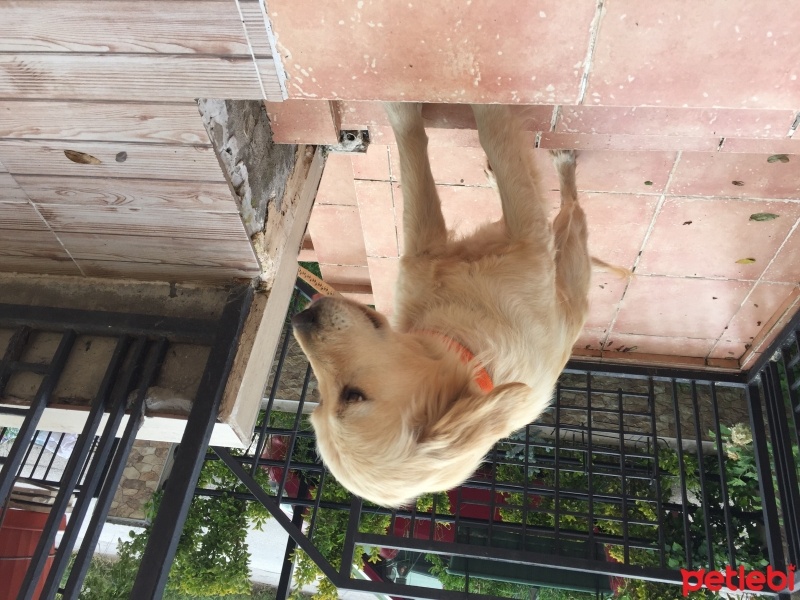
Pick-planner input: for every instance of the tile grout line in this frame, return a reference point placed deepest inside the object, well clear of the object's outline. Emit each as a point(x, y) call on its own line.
point(659, 205)
point(594, 31)
point(752, 289)
point(252, 52)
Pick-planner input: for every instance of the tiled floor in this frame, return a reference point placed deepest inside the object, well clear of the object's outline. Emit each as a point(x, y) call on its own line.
point(712, 237)
point(685, 117)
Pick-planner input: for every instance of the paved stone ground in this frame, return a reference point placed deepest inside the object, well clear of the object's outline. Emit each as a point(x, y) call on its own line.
point(140, 479)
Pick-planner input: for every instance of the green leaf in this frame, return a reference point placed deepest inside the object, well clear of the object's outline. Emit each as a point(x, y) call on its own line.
point(763, 216)
point(778, 158)
point(745, 261)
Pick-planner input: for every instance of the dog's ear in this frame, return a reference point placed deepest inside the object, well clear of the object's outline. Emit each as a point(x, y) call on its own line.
point(479, 419)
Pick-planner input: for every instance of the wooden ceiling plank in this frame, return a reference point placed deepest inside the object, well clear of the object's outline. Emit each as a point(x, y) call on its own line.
point(132, 193)
point(132, 26)
point(102, 121)
point(203, 226)
point(142, 161)
point(234, 254)
point(126, 77)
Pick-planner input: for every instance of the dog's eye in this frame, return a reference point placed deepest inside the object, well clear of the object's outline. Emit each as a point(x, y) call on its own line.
point(350, 395)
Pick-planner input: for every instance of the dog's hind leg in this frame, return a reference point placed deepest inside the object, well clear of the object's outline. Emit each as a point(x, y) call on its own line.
point(423, 222)
point(511, 162)
point(573, 264)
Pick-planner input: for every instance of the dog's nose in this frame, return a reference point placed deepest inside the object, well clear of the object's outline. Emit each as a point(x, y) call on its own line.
point(305, 320)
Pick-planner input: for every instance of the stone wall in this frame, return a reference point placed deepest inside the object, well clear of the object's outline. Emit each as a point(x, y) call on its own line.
point(140, 479)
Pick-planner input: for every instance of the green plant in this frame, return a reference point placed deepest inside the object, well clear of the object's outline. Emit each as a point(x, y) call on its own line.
point(212, 556)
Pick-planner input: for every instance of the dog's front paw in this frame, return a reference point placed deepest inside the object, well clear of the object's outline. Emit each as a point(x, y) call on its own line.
point(563, 156)
point(404, 116)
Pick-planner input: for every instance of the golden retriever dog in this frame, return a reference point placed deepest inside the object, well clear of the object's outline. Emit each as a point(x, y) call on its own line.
point(483, 326)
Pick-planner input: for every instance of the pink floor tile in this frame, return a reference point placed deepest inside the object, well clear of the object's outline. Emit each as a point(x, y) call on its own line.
point(590, 339)
point(737, 175)
point(626, 143)
point(762, 304)
point(786, 266)
point(336, 186)
point(473, 52)
point(728, 348)
point(701, 237)
point(302, 121)
point(678, 307)
point(383, 273)
point(451, 166)
point(627, 172)
point(345, 274)
point(768, 147)
point(336, 232)
point(361, 115)
point(460, 116)
point(617, 225)
point(605, 295)
point(377, 217)
point(372, 164)
point(647, 344)
point(675, 122)
point(747, 55)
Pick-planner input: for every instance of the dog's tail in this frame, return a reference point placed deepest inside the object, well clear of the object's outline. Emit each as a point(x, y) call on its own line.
point(601, 265)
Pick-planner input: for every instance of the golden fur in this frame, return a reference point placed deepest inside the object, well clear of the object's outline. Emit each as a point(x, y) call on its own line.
point(401, 413)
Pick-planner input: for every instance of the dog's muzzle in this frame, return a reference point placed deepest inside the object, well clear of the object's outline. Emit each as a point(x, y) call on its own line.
point(307, 320)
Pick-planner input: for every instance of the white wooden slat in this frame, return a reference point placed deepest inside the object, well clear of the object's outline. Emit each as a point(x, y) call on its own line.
point(235, 254)
point(151, 222)
point(143, 161)
point(162, 272)
point(20, 216)
point(102, 121)
point(119, 26)
point(253, 21)
point(137, 193)
point(10, 191)
point(125, 77)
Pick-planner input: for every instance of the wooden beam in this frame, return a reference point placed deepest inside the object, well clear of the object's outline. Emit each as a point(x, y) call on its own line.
point(279, 247)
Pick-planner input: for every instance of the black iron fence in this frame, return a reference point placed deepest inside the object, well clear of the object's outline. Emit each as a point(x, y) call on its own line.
point(632, 473)
point(93, 466)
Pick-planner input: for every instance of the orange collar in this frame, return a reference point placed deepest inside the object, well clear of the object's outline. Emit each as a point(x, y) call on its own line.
point(483, 379)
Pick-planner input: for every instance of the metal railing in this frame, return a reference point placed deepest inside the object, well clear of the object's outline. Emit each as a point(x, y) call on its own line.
point(96, 462)
point(633, 472)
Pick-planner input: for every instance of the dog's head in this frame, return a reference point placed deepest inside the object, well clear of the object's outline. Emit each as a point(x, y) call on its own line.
point(400, 414)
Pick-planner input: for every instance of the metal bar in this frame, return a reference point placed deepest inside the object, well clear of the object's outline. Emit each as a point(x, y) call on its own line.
point(285, 581)
point(72, 472)
point(27, 430)
point(772, 527)
point(794, 397)
point(272, 393)
point(556, 474)
point(784, 465)
point(151, 578)
point(114, 474)
point(412, 591)
point(643, 372)
point(726, 509)
point(13, 352)
point(348, 550)
point(293, 435)
point(590, 466)
point(277, 513)
point(701, 467)
point(651, 404)
point(567, 563)
point(624, 508)
point(317, 500)
point(682, 474)
point(88, 322)
point(766, 355)
point(42, 448)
